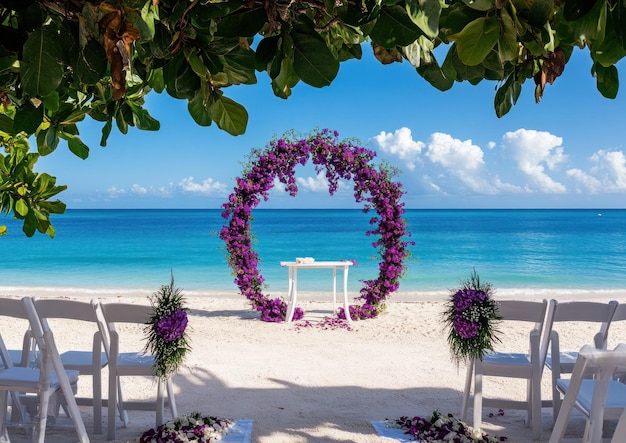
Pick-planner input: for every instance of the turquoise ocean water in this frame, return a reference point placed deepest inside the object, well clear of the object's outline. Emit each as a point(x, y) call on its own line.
point(135, 250)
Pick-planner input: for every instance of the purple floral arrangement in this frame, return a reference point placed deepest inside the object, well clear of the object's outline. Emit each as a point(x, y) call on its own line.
point(339, 160)
point(166, 330)
point(442, 429)
point(191, 428)
point(471, 316)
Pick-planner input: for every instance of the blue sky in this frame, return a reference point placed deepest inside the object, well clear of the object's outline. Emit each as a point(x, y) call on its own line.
point(452, 150)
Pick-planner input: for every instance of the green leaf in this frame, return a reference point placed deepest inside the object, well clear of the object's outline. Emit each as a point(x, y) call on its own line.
point(394, 27)
point(121, 123)
point(437, 76)
point(611, 50)
point(52, 139)
point(143, 120)
point(607, 80)
point(145, 23)
point(3, 230)
point(27, 118)
point(78, 148)
point(265, 52)
point(539, 12)
point(30, 224)
point(480, 5)
point(156, 81)
point(51, 102)
point(508, 48)
point(476, 40)
point(6, 124)
point(229, 115)
point(75, 116)
point(196, 63)
point(286, 80)
point(576, 9)
point(312, 60)
point(473, 74)
point(591, 25)
point(42, 63)
point(21, 207)
point(425, 14)
point(92, 63)
point(199, 110)
point(506, 96)
point(106, 131)
point(246, 23)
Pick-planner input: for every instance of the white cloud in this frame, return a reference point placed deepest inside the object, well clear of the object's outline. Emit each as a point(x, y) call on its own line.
point(462, 160)
point(585, 180)
point(611, 166)
point(454, 153)
point(313, 184)
point(137, 189)
point(206, 187)
point(533, 151)
point(608, 173)
point(114, 192)
point(401, 145)
point(187, 185)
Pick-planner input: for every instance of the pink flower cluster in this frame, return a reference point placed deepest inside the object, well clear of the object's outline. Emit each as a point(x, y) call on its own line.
point(338, 160)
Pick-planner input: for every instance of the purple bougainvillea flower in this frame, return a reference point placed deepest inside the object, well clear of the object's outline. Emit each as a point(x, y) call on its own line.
point(171, 327)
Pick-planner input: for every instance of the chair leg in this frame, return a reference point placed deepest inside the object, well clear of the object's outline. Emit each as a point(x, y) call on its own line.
point(468, 387)
point(112, 404)
point(4, 403)
point(535, 401)
point(97, 401)
point(40, 422)
point(120, 403)
point(556, 395)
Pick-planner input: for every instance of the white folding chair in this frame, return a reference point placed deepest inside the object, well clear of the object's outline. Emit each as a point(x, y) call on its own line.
point(48, 379)
point(592, 391)
point(130, 364)
point(527, 364)
point(85, 362)
point(562, 362)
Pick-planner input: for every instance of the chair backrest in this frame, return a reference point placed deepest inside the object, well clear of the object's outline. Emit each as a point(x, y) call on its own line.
point(585, 311)
point(108, 314)
point(14, 308)
point(59, 308)
point(536, 312)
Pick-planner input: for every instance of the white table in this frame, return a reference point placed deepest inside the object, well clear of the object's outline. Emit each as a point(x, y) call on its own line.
point(293, 282)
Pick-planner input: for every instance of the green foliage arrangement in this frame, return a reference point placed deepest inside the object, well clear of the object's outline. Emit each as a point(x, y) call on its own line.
point(24, 192)
point(471, 316)
point(61, 61)
point(166, 330)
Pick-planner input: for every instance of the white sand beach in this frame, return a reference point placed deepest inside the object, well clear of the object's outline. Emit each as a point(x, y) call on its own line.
point(308, 384)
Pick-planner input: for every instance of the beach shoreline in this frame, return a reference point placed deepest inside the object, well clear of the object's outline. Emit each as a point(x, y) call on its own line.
point(562, 294)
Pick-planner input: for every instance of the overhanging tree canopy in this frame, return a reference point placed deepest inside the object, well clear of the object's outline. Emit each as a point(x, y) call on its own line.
point(63, 60)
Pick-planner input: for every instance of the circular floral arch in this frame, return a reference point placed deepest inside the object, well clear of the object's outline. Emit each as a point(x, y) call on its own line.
point(338, 160)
